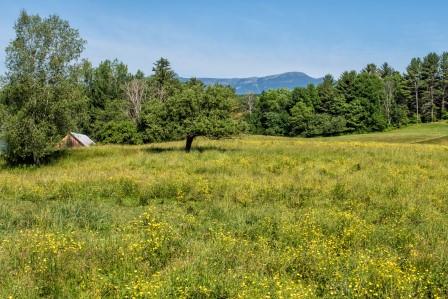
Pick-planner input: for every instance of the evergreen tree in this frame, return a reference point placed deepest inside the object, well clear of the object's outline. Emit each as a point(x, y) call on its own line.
point(346, 85)
point(386, 70)
point(444, 84)
point(371, 69)
point(430, 76)
point(414, 77)
point(163, 81)
point(331, 101)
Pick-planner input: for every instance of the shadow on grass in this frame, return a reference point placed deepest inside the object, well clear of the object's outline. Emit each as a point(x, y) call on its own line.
point(49, 160)
point(439, 140)
point(60, 155)
point(200, 149)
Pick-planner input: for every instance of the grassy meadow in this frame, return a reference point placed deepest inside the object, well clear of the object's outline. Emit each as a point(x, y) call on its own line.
point(360, 216)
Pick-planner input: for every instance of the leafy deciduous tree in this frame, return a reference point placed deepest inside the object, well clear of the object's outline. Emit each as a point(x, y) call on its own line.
point(199, 111)
point(40, 93)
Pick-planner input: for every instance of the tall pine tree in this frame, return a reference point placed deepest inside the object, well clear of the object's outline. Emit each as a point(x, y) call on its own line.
point(430, 75)
point(414, 78)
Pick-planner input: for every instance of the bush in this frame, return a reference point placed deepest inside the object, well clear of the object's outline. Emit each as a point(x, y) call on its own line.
point(326, 125)
point(120, 132)
point(29, 141)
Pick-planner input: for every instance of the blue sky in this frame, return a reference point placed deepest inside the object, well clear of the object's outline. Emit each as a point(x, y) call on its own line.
point(247, 37)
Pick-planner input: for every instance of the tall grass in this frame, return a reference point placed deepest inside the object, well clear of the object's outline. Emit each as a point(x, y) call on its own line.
point(244, 218)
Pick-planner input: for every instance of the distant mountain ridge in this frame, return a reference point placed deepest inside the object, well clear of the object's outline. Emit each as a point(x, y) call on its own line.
point(257, 85)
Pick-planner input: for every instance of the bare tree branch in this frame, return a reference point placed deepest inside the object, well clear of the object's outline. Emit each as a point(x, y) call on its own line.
point(250, 102)
point(135, 91)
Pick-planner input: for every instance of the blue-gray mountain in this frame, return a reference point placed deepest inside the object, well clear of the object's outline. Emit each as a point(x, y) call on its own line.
point(259, 84)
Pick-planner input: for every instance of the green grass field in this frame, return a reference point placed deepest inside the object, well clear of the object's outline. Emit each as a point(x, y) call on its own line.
point(359, 216)
point(436, 133)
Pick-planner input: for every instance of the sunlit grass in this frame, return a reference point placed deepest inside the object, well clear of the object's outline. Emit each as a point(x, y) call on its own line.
point(248, 217)
point(436, 133)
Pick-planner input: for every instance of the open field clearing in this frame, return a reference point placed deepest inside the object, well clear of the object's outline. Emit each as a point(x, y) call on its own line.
point(436, 133)
point(249, 217)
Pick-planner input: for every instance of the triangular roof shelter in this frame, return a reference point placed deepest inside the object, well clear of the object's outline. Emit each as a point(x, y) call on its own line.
point(76, 140)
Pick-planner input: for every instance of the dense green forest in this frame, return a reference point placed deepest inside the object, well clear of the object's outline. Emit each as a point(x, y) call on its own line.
point(375, 99)
point(49, 90)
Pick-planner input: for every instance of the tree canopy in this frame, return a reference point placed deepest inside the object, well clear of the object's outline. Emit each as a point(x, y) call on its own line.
point(41, 95)
point(195, 110)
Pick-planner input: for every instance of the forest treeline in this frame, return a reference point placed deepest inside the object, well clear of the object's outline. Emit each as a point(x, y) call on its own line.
point(121, 107)
point(48, 91)
point(374, 99)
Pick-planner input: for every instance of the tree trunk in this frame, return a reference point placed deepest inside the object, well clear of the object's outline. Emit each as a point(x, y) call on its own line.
point(189, 143)
point(432, 105)
point(443, 107)
point(442, 110)
point(416, 102)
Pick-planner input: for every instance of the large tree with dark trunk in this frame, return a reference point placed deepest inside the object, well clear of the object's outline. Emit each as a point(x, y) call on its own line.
point(201, 111)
